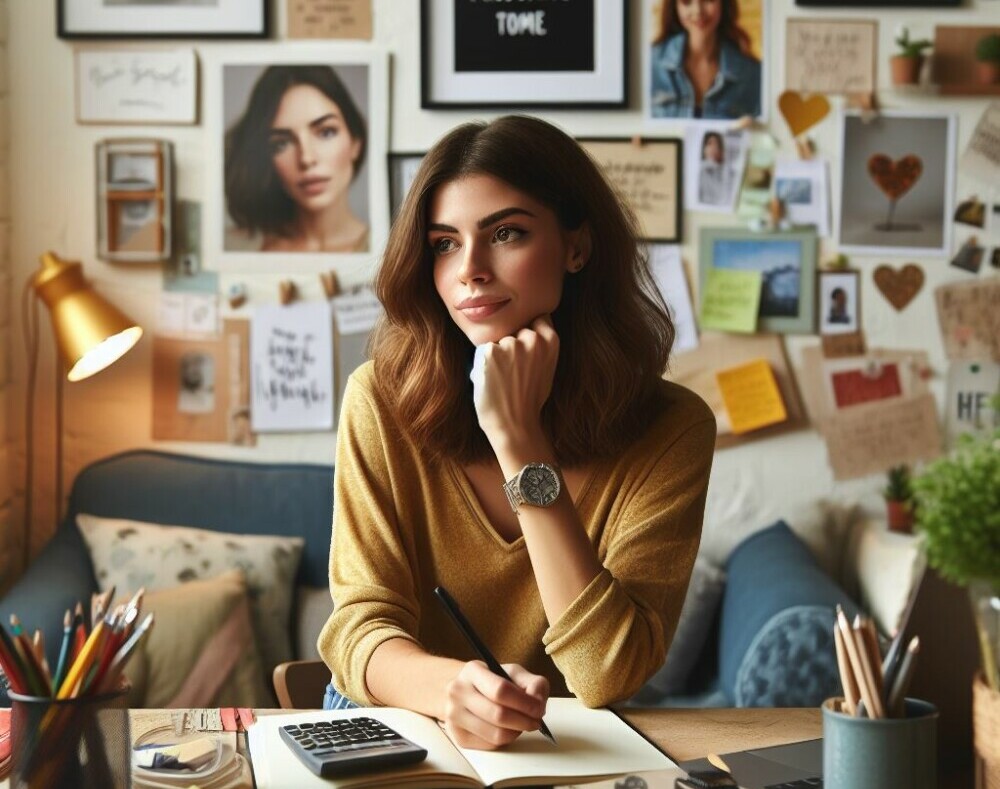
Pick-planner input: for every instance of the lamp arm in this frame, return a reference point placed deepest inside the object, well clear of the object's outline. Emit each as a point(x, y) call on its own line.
point(29, 326)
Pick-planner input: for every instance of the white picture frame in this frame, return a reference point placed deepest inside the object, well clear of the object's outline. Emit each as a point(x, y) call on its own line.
point(444, 85)
point(865, 216)
point(370, 181)
point(162, 19)
point(131, 85)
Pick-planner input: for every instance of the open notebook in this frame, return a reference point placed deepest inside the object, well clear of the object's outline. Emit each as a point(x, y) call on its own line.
point(593, 745)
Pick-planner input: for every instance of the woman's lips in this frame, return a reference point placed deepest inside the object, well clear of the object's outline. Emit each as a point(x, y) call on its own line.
point(314, 186)
point(483, 311)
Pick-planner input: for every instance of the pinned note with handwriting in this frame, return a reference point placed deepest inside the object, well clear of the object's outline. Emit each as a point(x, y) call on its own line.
point(730, 300)
point(291, 352)
point(751, 395)
point(136, 86)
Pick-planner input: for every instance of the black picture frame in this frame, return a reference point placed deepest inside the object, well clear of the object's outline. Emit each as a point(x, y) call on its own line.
point(879, 3)
point(650, 221)
point(605, 86)
point(251, 20)
point(400, 163)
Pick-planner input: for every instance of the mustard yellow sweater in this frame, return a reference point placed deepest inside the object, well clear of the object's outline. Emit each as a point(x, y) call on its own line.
point(403, 525)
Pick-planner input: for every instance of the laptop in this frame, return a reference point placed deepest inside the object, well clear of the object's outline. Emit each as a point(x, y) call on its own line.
point(798, 765)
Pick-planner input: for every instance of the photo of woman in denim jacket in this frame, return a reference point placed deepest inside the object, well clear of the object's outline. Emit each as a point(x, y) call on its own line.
point(702, 64)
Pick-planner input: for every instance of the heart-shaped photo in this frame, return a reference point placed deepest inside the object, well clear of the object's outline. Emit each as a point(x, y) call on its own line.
point(895, 178)
point(899, 286)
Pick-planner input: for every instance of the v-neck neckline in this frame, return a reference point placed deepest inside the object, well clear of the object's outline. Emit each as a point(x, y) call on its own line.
point(472, 499)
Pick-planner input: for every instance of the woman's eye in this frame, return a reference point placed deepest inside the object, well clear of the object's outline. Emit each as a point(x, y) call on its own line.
point(277, 145)
point(506, 234)
point(442, 245)
point(328, 131)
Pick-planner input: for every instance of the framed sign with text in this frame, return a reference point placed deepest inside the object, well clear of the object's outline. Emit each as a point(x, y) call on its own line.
point(534, 53)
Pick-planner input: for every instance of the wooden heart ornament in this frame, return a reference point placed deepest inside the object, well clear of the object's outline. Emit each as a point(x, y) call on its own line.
point(802, 114)
point(895, 178)
point(899, 287)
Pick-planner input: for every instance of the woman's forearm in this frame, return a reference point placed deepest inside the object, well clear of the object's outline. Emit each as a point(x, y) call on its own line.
point(402, 674)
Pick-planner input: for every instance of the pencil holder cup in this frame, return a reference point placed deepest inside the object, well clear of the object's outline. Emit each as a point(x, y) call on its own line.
point(81, 743)
point(882, 753)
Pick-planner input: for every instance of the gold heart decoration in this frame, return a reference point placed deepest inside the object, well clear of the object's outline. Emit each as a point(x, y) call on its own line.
point(802, 114)
point(895, 178)
point(899, 286)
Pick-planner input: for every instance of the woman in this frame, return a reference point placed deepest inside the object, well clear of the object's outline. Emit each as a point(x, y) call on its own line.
point(290, 161)
point(702, 64)
point(510, 238)
point(713, 185)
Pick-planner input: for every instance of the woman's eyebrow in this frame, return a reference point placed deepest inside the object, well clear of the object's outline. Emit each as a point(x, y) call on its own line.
point(486, 221)
point(322, 119)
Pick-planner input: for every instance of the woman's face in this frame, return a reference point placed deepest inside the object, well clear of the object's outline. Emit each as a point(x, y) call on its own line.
point(712, 149)
point(699, 17)
point(311, 147)
point(499, 256)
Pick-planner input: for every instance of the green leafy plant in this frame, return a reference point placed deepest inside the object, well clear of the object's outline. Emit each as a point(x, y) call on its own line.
point(909, 48)
point(958, 509)
point(900, 484)
point(988, 48)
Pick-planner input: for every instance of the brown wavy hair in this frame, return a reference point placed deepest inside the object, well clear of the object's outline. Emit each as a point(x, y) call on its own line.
point(729, 25)
point(614, 330)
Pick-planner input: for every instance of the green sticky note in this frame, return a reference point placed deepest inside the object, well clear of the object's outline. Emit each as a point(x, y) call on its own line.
point(730, 300)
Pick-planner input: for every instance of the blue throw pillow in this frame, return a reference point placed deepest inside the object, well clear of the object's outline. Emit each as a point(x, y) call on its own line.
point(776, 636)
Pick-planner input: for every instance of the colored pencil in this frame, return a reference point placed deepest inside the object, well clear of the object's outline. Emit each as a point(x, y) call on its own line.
point(64, 650)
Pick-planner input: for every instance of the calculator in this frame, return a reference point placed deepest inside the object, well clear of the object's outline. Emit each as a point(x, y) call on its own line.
point(350, 745)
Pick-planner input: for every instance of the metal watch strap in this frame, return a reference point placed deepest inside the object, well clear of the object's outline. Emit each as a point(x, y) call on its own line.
point(512, 487)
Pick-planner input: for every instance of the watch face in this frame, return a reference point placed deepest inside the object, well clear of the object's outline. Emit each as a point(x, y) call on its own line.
point(539, 484)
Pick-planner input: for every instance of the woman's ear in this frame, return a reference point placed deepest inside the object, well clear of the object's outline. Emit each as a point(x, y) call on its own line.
point(580, 245)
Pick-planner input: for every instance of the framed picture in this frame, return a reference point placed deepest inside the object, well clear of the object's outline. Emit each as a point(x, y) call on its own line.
point(741, 44)
point(314, 120)
point(897, 177)
point(839, 302)
point(715, 160)
point(648, 176)
point(162, 18)
point(787, 263)
point(878, 3)
point(571, 54)
point(402, 170)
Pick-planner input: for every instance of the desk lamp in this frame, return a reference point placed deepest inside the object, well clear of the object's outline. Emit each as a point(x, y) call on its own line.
point(90, 334)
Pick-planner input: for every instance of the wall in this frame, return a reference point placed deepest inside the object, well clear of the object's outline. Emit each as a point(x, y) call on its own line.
point(7, 334)
point(52, 180)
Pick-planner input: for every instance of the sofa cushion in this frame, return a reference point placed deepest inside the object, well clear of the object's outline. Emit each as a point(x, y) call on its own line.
point(704, 593)
point(776, 636)
point(201, 651)
point(131, 554)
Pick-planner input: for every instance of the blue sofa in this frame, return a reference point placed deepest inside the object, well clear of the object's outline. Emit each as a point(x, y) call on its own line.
point(771, 647)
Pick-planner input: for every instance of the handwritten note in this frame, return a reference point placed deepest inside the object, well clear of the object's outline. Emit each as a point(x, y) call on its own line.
point(136, 86)
point(981, 159)
point(973, 401)
point(330, 19)
point(751, 396)
point(868, 439)
point(969, 316)
point(291, 352)
point(730, 300)
point(830, 56)
point(356, 312)
point(647, 177)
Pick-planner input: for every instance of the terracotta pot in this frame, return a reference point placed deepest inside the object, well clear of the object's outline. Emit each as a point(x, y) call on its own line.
point(905, 70)
point(987, 72)
point(986, 734)
point(900, 516)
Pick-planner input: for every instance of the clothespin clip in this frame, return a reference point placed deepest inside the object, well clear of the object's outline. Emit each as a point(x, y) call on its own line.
point(331, 285)
point(774, 220)
point(237, 295)
point(637, 140)
point(872, 369)
point(287, 292)
point(867, 103)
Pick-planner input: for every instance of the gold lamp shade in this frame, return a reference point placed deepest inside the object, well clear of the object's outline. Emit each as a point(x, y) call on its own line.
point(90, 333)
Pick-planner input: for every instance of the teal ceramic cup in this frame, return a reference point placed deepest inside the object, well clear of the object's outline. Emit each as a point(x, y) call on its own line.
point(888, 753)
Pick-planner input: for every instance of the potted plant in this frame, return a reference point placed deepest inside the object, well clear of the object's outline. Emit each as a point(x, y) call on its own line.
point(898, 495)
point(988, 59)
point(958, 511)
point(906, 65)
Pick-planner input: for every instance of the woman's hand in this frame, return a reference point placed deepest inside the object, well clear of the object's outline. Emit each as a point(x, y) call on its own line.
point(486, 712)
point(517, 381)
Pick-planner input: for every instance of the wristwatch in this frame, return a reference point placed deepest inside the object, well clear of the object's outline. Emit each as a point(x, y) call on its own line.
point(537, 484)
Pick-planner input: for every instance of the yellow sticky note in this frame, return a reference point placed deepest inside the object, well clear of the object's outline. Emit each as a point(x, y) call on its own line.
point(730, 300)
point(751, 396)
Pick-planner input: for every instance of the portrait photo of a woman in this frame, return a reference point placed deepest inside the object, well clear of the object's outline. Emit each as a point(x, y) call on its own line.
point(296, 138)
point(705, 59)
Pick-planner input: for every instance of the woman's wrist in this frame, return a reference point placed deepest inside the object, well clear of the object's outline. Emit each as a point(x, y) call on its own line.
point(515, 448)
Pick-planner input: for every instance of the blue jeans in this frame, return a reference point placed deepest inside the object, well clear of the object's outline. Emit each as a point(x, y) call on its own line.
point(334, 700)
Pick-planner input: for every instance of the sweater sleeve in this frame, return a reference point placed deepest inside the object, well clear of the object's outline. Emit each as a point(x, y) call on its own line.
point(615, 635)
point(371, 576)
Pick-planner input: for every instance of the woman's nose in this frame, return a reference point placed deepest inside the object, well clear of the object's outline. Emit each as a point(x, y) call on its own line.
point(307, 157)
point(475, 265)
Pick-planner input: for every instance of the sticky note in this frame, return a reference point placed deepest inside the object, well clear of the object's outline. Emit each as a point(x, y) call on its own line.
point(730, 300)
point(751, 396)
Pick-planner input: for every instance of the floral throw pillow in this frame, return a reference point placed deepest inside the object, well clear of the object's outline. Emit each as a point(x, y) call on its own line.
point(131, 554)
